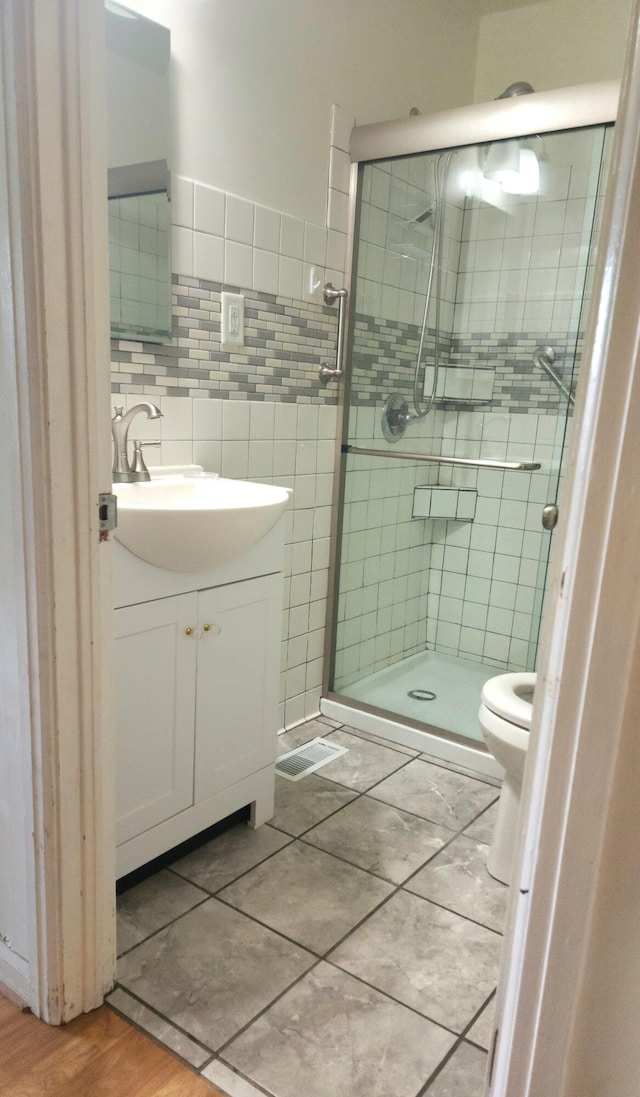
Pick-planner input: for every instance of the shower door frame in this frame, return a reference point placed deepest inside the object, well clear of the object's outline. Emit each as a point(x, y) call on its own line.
point(546, 112)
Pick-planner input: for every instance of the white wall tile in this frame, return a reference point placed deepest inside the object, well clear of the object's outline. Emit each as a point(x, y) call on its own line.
point(290, 278)
point(208, 454)
point(315, 244)
point(177, 418)
point(207, 420)
point(209, 212)
point(208, 257)
point(238, 265)
point(182, 191)
point(235, 420)
point(239, 219)
point(339, 169)
point(235, 460)
point(265, 271)
point(266, 230)
point(342, 122)
point(182, 250)
point(292, 237)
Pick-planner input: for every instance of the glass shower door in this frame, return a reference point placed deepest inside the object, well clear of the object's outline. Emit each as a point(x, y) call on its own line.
point(460, 282)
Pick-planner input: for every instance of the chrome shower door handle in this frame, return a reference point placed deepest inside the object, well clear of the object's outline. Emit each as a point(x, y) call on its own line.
point(550, 516)
point(331, 295)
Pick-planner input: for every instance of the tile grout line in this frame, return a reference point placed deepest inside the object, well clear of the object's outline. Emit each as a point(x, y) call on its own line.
point(319, 958)
point(458, 1044)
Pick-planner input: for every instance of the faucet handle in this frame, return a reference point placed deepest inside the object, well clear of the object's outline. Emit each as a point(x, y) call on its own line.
point(139, 471)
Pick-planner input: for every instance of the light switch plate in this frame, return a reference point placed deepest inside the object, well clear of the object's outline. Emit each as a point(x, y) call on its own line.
point(231, 321)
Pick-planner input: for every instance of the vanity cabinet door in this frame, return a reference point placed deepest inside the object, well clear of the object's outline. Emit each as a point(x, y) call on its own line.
point(238, 682)
point(155, 677)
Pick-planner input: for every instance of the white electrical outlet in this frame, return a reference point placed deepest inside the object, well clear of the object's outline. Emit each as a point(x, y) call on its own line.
point(231, 321)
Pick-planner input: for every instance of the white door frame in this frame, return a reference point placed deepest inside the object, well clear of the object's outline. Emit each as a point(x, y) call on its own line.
point(568, 1007)
point(55, 327)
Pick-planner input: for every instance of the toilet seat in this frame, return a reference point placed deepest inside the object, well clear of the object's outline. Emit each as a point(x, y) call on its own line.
point(510, 697)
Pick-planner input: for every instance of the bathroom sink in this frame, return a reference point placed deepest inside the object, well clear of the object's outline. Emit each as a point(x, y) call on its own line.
point(195, 523)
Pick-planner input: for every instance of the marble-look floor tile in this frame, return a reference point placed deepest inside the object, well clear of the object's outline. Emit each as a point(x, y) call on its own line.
point(430, 959)
point(157, 1027)
point(449, 799)
point(226, 857)
point(229, 1082)
point(322, 719)
point(308, 895)
point(371, 738)
point(481, 1030)
point(302, 804)
point(303, 733)
point(495, 782)
point(483, 827)
point(462, 1076)
point(149, 906)
point(458, 879)
point(212, 971)
point(364, 765)
point(379, 838)
point(331, 1035)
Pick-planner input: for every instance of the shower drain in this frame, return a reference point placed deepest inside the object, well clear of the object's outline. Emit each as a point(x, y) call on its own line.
point(421, 695)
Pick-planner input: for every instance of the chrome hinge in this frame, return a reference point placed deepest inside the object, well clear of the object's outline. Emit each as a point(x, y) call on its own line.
point(107, 513)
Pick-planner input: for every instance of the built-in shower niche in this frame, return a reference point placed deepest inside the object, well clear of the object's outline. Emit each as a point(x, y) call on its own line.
point(507, 278)
point(460, 384)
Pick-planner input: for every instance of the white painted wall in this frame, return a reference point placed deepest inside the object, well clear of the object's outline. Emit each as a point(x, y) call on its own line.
point(253, 83)
point(552, 44)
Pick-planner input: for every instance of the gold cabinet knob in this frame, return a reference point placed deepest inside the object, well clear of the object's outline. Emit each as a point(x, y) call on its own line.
point(206, 628)
point(188, 632)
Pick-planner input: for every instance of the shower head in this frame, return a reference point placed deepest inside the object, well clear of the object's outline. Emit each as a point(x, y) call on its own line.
point(521, 87)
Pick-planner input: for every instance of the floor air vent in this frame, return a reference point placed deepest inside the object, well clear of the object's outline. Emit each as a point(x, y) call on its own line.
point(308, 758)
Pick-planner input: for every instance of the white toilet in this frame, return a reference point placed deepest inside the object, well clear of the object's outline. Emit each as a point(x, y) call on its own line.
point(505, 718)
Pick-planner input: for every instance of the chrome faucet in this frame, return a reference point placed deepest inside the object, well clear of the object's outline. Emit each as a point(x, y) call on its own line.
point(123, 472)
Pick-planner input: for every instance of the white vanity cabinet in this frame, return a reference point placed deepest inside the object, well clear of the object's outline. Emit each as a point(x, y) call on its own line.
point(197, 685)
point(155, 673)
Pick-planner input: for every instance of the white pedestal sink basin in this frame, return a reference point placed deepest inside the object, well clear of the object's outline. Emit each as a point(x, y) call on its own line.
point(195, 523)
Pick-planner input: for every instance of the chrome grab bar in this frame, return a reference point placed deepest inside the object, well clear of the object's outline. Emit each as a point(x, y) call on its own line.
point(544, 357)
point(465, 462)
point(331, 295)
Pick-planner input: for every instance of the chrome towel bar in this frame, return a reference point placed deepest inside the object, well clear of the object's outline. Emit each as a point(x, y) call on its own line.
point(465, 462)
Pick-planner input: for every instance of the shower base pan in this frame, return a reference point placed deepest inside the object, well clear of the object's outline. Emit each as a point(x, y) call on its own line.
point(395, 703)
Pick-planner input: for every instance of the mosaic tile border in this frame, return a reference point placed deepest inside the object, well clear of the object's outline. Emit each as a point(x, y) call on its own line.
point(384, 356)
point(286, 341)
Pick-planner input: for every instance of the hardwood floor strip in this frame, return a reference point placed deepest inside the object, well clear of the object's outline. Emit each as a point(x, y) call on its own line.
point(97, 1055)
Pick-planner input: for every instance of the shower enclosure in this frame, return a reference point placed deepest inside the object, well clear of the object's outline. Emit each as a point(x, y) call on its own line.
point(474, 241)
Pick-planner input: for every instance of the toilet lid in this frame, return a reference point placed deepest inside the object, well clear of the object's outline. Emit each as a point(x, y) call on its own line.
point(511, 697)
